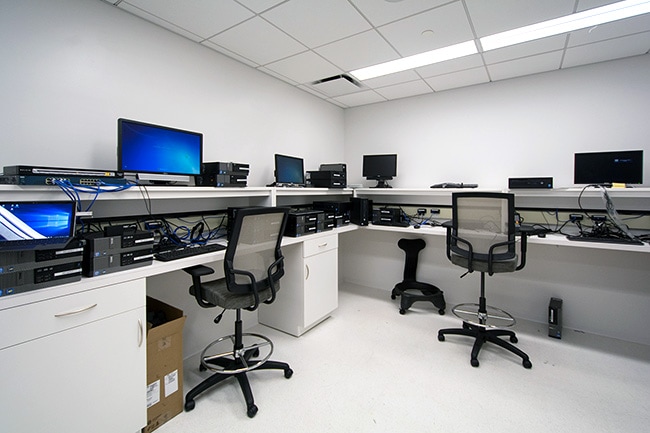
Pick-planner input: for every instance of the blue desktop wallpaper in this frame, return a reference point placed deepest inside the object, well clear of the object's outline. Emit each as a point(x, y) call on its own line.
point(48, 219)
point(289, 170)
point(151, 149)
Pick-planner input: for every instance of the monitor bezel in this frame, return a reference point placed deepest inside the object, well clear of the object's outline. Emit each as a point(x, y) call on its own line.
point(278, 158)
point(581, 177)
point(379, 176)
point(149, 172)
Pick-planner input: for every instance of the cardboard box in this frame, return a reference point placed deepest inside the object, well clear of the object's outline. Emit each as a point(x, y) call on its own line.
point(164, 365)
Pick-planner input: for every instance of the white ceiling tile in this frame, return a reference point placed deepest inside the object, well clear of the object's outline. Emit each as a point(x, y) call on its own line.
point(437, 28)
point(360, 98)
point(365, 49)
point(467, 62)
point(583, 5)
point(526, 49)
point(259, 41)
point(229, 53)
point(278, 76)
point(526, 66)
point(204, 18)
point(162, 23)
point(611, 30)
point(403, 90)
point(315, 22)
point(259, 6)
point(495, 16)
point(308, 89)
point(305, 67)
point(383, 12)
point(607, 50)
point(387, 80)
point(301, 41)
point(454, 80)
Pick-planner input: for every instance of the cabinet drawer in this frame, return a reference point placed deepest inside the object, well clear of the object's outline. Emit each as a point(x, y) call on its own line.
point(38, 319)
point(320, 245)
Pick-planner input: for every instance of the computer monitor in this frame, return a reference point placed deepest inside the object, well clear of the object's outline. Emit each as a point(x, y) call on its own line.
point(380, 168)
point(289, 171)
point(604, 168)
point(159, 154)
point(36, 225)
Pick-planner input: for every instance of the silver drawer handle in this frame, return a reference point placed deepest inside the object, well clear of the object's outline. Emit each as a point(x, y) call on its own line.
point(141, 337)
point(324, 244)
point(81, 310)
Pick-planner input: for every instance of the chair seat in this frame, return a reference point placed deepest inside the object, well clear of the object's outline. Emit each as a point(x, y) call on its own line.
point(216, 292)
point(481, 266)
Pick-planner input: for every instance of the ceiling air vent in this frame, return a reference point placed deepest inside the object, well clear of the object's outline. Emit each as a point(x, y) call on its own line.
point(337, 85)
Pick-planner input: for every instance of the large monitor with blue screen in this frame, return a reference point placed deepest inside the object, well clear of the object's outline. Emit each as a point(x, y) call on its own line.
point(289, 171)
point(158, 153)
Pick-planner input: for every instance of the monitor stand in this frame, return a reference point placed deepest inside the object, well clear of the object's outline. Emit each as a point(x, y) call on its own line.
point(382, 184)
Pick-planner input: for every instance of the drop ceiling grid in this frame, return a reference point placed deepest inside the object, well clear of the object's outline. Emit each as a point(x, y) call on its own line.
point(300, 41)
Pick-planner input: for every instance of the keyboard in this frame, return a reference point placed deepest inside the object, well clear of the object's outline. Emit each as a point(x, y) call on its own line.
point(187, 251)
point(611, 240)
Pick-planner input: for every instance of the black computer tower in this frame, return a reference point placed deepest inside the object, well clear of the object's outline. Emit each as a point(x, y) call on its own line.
point(361, 211)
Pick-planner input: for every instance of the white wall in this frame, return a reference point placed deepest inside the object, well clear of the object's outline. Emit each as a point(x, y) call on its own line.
point(71, 68)
point(528, 126)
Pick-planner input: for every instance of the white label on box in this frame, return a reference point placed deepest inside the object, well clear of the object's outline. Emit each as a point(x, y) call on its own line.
point(171, 383)
point(153, 393)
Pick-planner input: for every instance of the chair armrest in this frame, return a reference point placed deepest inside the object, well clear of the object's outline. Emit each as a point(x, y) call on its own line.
point(197, 272)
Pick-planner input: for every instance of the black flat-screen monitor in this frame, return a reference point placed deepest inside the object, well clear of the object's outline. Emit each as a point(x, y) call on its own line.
point(380, 168)
point(289, 171)
point(158, 153)
point(603, 168)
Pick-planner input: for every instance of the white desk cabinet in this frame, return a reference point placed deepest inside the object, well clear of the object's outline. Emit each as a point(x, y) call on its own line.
point(75, 363)
point(309, 289)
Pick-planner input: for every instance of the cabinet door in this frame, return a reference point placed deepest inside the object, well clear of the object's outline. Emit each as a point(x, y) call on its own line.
point(321, 286)
point(88, 378)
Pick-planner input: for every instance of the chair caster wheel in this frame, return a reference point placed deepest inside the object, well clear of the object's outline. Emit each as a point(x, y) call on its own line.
point(527, 363)
point(288, 373)
point(189, 405)
point(202, 367)
point(441, 337)
point(402, 311)
point(252, 411)
point(441, 311)
point(474, 362)
point(513, 339)
point(393, 297)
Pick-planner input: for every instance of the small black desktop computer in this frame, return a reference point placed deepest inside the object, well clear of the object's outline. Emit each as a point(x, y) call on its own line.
point(555, 318)
point(361, 211)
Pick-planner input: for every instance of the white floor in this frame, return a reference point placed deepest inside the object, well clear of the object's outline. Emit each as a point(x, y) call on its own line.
point(370, 369)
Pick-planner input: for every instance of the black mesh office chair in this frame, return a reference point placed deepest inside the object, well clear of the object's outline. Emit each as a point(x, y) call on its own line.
point(481, 237)
point(253, 266)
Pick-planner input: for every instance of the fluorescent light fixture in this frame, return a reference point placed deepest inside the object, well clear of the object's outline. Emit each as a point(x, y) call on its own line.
point(416, 61)
point(569, 23)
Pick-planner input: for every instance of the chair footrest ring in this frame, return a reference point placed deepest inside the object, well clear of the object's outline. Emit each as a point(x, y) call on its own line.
point(222, 357)
point(492, 318)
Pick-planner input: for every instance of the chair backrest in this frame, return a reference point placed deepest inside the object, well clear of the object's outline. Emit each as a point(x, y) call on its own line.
point(483, 226)
point(253, 259)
